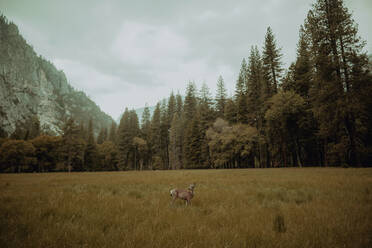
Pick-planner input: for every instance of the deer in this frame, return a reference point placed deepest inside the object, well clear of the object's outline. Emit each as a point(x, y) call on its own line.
point(183, 194)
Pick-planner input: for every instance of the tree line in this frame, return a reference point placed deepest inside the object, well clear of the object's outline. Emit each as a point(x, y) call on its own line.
point(314, 113)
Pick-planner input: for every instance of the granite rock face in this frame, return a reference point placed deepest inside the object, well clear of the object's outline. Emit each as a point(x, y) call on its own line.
point(32, 86)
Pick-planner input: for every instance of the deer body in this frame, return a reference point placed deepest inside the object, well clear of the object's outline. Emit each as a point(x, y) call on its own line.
point(183, 194)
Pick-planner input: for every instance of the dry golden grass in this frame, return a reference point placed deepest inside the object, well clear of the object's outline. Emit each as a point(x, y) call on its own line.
point(312, 207)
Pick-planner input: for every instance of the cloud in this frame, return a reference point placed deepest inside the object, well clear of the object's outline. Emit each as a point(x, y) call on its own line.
point(144, 44)
point(207, 15)
point(105, 89)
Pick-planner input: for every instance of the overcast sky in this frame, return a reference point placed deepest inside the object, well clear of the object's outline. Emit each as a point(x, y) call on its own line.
point(128, 53)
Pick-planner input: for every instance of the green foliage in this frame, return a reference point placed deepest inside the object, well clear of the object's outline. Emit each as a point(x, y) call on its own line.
point(221, 97)
point(230, 111)
point(128, 129)
point(284, 116)
point(231, 146)
point(176, 143)
point(17, 156)
point(193, 144)
point(108, 155)
point(47, 152)
point(73, 147)
point(112, 134)
point(190, 101)
point(102, 136)
point(271, 63)
point(90, 157)
point(339, 81)
point(241, 94)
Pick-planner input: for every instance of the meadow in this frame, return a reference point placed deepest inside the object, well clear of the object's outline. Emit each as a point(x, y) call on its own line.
point(291, 207)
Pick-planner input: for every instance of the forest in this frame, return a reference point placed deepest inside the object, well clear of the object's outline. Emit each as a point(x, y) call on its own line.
point(317, 112)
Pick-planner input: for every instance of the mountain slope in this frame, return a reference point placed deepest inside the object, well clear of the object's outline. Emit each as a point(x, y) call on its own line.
point(32, 86)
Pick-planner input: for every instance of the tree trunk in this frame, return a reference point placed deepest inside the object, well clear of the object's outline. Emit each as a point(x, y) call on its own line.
point(298, 152)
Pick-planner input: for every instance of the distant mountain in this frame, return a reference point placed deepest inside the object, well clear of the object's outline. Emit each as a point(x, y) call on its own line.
point(32, 86)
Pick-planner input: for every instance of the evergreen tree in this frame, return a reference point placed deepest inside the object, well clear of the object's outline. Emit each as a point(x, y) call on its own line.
point(124, 140)
point(108, 155)
point(190, 112)
point(73, 147)
point(91, 157)
point(179, 104)
point(271, 63)
point(47, 150)
point(172, 108)
point(17, 156)
point(127, 131)
point(82, 131)
point(112, 134)
point(254, 89)
point(140, 147)
point(230, 111)
point(193, 144)
point(155, 139)
point(146, 134)
point(102, 135)
point(339, 63)
point(206, 115)
point(284, 116)
point(241, 94)
point(190, 101)
point(146, 117)
point(176, 143)
point(302, 71)
point(164, 135)
point(221, 97)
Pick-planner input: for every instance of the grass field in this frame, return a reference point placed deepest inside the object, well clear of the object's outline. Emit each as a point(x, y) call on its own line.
point(313, 207)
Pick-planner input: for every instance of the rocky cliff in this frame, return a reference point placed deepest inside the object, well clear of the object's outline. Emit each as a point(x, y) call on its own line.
point(32, 86)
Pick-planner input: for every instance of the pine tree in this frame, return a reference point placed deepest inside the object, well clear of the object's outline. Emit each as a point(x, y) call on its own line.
point(91, 158)
point(254, 90)
point(112, 133)
point(179, 104)
point(102, 135)
point(73, 147)
point(124, 140)
point(336, 51)
point(221, 97)
point(230, 111)
point(172, 108)
point(155, 139)
point(302, 75)
point(176, 143)
point(271, 63)
point(164, 134)
point(206, 115)
point(241, 94)
point(193, 144)
point(146, 134)
point(190, 111)
point(190, 101)
point(82, 131)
